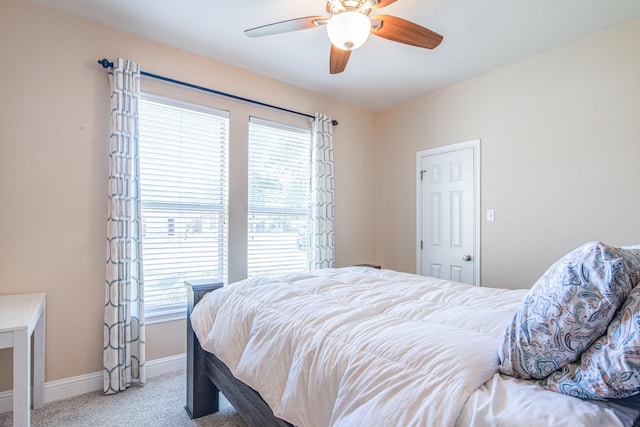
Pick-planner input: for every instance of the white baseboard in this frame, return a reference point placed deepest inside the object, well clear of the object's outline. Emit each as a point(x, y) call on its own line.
point(74, 386)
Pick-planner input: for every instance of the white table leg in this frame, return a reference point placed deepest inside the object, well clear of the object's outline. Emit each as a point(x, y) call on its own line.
point(21, 377)
point(38, 362)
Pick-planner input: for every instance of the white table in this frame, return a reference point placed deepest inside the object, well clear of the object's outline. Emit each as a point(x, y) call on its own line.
point(21, 316)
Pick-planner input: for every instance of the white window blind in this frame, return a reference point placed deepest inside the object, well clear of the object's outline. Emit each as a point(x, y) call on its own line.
point(278, 193)
point(184, 193)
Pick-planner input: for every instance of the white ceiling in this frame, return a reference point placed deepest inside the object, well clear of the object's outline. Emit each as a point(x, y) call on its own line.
point(478, 36)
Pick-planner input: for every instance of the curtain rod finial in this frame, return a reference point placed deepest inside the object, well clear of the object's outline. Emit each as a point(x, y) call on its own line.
point(105, 63)
point(334, 122)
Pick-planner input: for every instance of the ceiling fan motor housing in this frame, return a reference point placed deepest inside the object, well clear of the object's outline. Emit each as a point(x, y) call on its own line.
point(365, 7)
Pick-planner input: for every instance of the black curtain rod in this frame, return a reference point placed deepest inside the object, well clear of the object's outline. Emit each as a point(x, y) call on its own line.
point(108, 64)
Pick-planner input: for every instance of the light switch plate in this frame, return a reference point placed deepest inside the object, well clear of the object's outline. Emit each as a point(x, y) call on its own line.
point(491, 215)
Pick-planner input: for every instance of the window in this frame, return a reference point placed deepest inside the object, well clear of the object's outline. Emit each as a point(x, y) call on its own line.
point(184, 194)
point(278, 195)
point(186, 163)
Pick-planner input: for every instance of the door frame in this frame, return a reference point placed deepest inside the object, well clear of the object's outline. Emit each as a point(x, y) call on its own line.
point(477, 213)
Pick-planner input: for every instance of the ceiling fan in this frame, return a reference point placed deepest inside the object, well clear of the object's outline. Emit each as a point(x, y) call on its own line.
point(349, 26)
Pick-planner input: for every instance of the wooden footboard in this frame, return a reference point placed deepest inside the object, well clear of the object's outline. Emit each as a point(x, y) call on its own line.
point(207, 375)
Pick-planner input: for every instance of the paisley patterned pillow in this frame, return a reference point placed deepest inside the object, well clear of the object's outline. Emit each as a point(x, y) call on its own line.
point(565, 311)
point(610, 367)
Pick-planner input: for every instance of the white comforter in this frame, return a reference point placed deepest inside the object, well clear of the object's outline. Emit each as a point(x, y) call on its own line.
point(357, 346)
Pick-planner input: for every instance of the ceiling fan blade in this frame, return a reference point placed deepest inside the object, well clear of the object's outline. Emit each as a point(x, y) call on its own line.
point(287, 26)
point(338, 60)
point(384, 3)
point(403, 31)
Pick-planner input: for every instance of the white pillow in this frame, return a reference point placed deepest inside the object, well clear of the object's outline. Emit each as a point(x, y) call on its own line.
point(567, 309)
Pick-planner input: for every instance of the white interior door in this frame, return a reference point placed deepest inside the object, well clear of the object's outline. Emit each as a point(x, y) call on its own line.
point(448, 213)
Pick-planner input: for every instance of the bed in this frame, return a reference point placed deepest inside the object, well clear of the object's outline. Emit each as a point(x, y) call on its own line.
point(359, 346)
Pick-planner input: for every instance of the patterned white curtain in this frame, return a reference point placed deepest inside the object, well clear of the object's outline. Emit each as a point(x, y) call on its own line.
point(124, 337)
point(321, 240)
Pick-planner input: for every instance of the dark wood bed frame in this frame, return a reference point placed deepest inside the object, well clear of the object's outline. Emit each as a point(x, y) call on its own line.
point(207, 376)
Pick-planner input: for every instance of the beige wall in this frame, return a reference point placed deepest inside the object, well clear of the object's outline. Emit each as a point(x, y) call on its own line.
point(560, 144)
point(53, 168)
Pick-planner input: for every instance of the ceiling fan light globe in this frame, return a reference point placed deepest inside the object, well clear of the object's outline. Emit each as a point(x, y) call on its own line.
point(348, 30)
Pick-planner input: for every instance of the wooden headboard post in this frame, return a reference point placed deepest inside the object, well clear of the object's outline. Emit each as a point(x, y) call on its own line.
point(202, 394)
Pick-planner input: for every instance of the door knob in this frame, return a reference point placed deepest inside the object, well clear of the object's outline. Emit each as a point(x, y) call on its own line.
point(466, 258)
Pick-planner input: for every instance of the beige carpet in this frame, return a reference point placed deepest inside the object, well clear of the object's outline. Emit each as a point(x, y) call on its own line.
point(159, 403)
